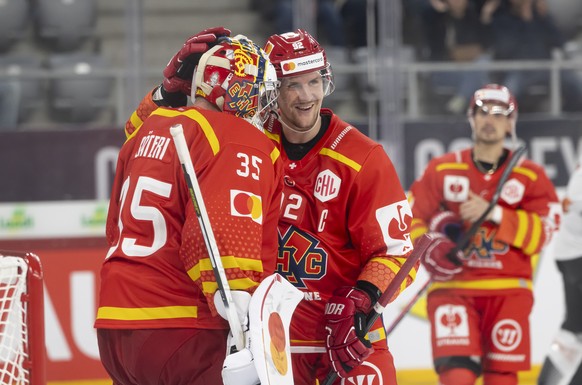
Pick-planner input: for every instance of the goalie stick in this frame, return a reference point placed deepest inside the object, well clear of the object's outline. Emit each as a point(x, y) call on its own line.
point(392, 288)
point(463, 242)
point(177, 132)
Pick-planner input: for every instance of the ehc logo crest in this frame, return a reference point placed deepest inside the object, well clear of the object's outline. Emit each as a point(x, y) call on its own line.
point(300, 257)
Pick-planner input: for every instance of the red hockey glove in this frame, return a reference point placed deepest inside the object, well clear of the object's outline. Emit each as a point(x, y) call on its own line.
point(345, 316)
point(437, 261)
point(447, 223)
point(180, 70)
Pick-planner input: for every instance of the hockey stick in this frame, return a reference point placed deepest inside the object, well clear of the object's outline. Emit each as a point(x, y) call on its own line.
point(466, 238)
point(392, 288)
point(177, 132)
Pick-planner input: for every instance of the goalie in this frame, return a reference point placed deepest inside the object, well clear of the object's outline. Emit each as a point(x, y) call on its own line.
point(157, 322)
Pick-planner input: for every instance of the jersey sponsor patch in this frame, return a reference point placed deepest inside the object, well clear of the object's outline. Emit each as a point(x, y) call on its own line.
point(451, 325)
point(246, 204)
point(512, 191)
point(394, 221)
point(456, 188)
point(327, 186)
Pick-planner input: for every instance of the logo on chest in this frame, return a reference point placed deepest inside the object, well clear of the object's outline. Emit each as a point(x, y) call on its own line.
point(327, 186)
point(456, 188)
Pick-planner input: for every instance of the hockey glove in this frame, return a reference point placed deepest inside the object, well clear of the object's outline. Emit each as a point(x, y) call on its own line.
point(447, 223)
point(345, 316)
point(437, 261)
point(238, 367)
point(180, 70)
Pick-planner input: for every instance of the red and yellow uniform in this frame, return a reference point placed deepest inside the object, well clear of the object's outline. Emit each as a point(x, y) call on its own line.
point(483, 311)
point(344, 218)
point(156, 296)
point(157, 273)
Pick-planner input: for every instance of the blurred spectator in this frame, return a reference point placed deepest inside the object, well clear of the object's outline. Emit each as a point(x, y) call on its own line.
point(354, 15)
point(328, 18)
point(524, 30)
point(454, 31)
point(9, 103)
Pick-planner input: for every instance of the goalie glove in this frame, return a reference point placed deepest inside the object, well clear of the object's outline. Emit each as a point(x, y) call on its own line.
point(179, 72)
point(345, 316)
point(448, 223)
point(239, 367)
point(437, 259)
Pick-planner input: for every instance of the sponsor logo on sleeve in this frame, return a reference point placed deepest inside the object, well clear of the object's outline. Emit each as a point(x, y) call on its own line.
point(394, 221)
point(246, 204)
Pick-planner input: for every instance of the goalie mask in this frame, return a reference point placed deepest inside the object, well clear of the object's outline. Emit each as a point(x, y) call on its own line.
point(297, 53)
point(237, 77)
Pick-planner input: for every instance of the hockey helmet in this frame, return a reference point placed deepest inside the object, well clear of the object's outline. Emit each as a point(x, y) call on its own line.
point(297, 53)
point(237, 77)
point(503, 100)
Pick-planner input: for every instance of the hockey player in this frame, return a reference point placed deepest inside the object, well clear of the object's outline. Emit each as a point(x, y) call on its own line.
point(563, 365)
point(156, 321)
point(479, 311)
point(344, 225)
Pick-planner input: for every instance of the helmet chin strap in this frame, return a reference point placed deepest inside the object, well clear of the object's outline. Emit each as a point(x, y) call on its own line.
point(300, 132)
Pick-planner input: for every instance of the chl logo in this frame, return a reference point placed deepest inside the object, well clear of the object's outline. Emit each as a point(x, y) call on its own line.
point(327, 186)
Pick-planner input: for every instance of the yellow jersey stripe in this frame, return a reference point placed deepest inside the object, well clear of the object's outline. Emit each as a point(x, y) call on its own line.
point(198, 118)
point(275, 154)
point(136, 121)
point(527, 172)
point(231, 262)
point(485, 284)
point(228, 262)
point(235, 284)
point(452, 166)
point(340, 158)
point(522, 226)
point(272, 136)
point(147, 313)
point(535, 235)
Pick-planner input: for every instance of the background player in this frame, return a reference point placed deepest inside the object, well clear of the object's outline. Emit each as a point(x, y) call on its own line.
point(479, 313)
point(563, 365)
point(156, 320)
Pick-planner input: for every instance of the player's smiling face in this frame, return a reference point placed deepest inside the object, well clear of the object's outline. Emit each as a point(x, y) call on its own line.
point(300, 100)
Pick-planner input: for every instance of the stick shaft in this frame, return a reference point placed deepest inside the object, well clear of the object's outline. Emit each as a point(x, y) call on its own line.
point(177, 132)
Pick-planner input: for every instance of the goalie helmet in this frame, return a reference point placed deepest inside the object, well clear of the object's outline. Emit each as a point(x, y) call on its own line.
point(297, 53)
point(505, 103)
point(237, 77)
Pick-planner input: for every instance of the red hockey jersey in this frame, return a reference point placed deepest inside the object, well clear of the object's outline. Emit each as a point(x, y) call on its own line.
point(157, 273)
point(344, 218)
point(498, 256)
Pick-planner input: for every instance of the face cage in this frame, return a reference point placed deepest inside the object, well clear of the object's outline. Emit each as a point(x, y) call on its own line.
point(267, 96)
point(327, 77)
point(494, 110)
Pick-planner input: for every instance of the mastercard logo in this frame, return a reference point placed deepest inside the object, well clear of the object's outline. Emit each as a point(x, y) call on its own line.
point(245, 204)
point(289, 66)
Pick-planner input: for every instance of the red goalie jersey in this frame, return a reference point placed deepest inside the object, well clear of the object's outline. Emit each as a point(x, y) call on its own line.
point(157, 273)
point(350, 179)
point(498, 256)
